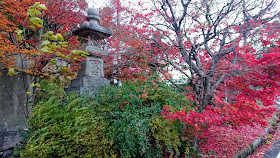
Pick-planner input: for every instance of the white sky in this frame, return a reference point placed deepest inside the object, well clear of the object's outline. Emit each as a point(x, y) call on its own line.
point(101, 3)
point(96, 3)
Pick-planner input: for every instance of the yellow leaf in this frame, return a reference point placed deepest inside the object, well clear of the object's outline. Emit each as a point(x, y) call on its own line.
point(28, 92)
point(63, 43)
point(53, 37)
point(19, 32)
point(46, 42)
point(43, 6)
point(32, 84)
point(12, 72)
point(60, 55)
point(85, 53)
point(32, 26)
point(74, 52)
point(37, 84)
point(72, 74)
point(67, 79)
point(50, 33)
point(37, 12)
point(59, 36)
point(38, 25)
point(53, 61)
point(36, 4)
point(76, 59)
point(35, 20)
point(45, 50)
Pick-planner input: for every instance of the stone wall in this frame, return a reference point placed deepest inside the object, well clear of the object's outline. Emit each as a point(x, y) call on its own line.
point(13, 109)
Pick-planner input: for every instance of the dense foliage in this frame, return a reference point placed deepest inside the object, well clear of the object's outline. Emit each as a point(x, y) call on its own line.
point(228, 50)
point(36, 32)
point(232, 67)
point(119, 121)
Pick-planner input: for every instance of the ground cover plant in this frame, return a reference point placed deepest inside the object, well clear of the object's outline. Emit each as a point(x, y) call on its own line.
point(118, 122)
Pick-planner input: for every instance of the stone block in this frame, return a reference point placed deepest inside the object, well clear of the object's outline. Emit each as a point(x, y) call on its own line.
point(89, 81)
point(91, 67)
point(13, 111)
point(87, 84)
point(8, 140)
point(96, 51)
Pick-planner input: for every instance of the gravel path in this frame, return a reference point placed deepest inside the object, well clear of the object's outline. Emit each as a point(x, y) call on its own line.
point(273, 152)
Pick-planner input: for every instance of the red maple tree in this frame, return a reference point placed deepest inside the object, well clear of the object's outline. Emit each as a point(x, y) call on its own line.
point(132, 52)
point(228, 51)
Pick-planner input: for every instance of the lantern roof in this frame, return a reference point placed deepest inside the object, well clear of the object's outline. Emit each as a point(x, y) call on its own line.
point(91, 28)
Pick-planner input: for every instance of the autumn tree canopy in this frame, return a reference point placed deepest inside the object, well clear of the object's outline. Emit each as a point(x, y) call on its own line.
point(227, 47)
point(229, 51)
point(38, 35)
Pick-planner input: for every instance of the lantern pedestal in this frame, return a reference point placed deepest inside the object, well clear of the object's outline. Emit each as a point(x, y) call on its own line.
point(90, 77)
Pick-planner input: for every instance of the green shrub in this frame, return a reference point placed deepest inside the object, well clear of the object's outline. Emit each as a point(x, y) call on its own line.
point(117, 122)
point(135, 126)
point(67, 128)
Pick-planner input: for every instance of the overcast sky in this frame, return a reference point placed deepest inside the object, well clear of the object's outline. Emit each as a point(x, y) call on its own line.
point(97, 3)
point(101, 3)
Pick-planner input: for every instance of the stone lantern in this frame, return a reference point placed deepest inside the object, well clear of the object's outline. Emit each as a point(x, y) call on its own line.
point(91, 75)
